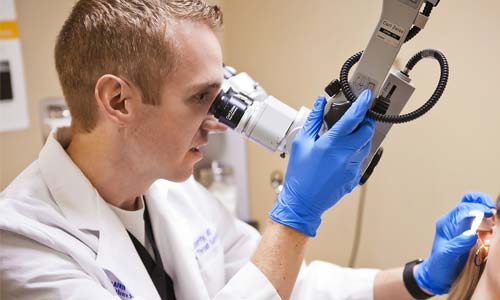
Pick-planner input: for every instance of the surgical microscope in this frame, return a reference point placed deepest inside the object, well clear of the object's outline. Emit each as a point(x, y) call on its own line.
point(243, 105)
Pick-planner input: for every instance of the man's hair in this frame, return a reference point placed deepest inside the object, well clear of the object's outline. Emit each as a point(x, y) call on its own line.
point(132, 39)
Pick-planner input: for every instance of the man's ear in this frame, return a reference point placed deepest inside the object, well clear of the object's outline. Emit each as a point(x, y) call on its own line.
point(114, 96)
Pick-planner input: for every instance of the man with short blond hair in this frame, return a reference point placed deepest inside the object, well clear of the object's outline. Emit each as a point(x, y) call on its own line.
point(110, 210)
point(132, 39)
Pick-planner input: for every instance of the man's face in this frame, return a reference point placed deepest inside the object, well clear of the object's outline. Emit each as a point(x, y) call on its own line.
point(168, 136)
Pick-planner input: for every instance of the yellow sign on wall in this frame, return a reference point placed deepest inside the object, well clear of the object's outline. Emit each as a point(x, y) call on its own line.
point(8, 30)
point(13, 101)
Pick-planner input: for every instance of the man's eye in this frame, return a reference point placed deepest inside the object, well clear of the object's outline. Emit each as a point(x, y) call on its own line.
point(202, 97)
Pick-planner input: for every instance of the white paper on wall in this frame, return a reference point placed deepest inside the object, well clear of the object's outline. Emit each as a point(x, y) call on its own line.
point(13, 103)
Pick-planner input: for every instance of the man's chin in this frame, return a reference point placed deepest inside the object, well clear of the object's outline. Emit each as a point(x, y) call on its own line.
point(180, 176)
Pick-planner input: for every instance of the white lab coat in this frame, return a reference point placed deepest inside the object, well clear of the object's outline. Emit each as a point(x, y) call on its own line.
point(60, 240)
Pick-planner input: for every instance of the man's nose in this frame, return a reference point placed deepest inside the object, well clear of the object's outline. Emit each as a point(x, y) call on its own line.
point(210, 124)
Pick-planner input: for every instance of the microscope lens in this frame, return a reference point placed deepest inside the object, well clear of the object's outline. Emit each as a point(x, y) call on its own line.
point(228, 109)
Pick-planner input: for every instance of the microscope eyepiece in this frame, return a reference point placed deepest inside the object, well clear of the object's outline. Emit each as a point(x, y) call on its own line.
point(228, 108)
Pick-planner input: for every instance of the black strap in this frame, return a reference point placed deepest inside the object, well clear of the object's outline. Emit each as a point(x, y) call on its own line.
point(163, 283)
point(411, 283)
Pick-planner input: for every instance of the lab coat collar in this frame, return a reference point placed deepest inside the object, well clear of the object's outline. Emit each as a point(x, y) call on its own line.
point(118, 255)
point(81, 204)
point(175, 242)
point(72, 191)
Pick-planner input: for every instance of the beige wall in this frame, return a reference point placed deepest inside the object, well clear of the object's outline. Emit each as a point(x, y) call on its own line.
point(294, 49)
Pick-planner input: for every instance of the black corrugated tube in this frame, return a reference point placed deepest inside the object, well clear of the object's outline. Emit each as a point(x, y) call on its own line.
point(415, 30)
point(443, 80)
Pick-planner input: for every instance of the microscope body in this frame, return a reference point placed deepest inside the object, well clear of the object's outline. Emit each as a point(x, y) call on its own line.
point(245, 106)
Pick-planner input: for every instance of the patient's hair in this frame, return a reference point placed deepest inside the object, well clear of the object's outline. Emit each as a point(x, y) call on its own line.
point(131, 39)
point(465, 284)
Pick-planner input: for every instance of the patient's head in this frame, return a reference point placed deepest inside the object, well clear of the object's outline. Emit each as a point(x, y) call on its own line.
point(480, 278)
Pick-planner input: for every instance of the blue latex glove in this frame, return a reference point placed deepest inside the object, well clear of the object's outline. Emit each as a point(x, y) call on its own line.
point(323, 169)
point(452, 243)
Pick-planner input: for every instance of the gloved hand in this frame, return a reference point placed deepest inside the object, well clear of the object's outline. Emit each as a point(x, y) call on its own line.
point(323, 169)
point(452, 243)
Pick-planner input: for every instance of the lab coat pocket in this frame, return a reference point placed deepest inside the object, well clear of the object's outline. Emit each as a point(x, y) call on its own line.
point(210, 257)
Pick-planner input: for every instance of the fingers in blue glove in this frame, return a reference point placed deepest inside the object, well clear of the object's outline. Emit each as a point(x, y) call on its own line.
point(361, 136)
point(354, 115)
point(362, 154)
point(465, 210)
point(460, 219)
point(321, 171)
point(315, 119)
point(452, 243)
point(463, 243)
point(478, 197)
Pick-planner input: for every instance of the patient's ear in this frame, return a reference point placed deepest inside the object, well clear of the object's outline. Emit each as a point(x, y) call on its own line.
point(115, 97)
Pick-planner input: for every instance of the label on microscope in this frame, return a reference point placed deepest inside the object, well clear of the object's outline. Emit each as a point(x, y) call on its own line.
point(390, 33)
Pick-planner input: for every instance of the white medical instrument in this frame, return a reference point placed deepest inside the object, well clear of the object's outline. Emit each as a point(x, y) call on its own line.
point(245, 106)
point(478, 219)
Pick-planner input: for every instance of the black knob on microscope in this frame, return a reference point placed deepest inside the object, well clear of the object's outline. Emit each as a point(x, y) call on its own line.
point(381, 105)
point(333, 88)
